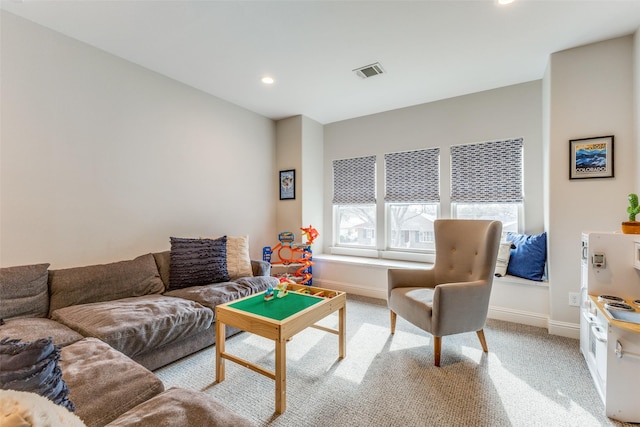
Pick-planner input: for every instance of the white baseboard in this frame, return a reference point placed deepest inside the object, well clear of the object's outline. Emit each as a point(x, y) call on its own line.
point(564, 329)
point(518, 316)
point(351, 288)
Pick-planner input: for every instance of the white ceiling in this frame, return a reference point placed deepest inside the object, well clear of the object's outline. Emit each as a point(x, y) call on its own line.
point(430, 50)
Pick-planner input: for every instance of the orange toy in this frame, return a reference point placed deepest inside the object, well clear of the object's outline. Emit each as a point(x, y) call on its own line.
point(290, 253)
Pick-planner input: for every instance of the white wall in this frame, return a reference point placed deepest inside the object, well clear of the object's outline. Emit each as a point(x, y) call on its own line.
point(103, 160)
point(590, 94)
point(289, 156)
point(299, 143)
point(636, 82)
point(514, 111)
point(312, 183)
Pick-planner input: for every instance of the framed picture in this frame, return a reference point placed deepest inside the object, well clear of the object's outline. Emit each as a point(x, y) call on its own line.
point(591, 157)
point(288, 184)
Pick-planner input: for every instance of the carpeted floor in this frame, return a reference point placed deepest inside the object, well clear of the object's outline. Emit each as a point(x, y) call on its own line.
point(528, 378)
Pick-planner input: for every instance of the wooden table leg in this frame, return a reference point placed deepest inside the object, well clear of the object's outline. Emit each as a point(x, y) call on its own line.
point(342, 336)
point(281, 376)
point(220, 341)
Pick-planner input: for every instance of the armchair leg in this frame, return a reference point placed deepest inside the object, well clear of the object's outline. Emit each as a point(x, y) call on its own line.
point(437, 346)
point(393, 322)
point(483, 342)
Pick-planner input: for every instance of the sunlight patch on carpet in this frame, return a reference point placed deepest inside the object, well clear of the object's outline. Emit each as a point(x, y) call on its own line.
point(406, 340)
point(475, 354)
point(530, 400)
point(366, 343)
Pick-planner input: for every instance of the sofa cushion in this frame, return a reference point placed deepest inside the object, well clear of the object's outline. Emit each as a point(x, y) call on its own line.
point(181, 407)
point(212, 295)
point(103, 382)
point(104, 282)
point(33, 328)
point(197, 262)
point(163, 261)
point(136, 325)
point(32, 366)
point(24, 291)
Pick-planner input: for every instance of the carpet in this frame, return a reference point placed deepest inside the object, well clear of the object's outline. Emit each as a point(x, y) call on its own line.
point(528, 378)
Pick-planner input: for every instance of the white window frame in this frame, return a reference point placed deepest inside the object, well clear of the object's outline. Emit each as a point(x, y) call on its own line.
point(520, 218)
point(388, 231)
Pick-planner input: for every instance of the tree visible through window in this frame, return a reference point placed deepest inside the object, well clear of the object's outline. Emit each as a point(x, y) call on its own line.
point(411, 225)
point(486, 182)
point(354, 200)
point(356, 225)
point(412, 196)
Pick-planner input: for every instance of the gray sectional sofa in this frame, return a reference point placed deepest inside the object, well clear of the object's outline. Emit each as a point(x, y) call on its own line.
point(115, 323)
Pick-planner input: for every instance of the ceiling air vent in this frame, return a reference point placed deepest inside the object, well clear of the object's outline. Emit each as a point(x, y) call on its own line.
point(369, 70)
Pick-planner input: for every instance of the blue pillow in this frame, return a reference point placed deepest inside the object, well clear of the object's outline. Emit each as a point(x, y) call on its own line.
point(528, 258)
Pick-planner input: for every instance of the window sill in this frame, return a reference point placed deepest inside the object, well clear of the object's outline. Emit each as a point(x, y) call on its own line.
point(513, 280)
point(391, 263)
point(412, 257)
point(373, 262)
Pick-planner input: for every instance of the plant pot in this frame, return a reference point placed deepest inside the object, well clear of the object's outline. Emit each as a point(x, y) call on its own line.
point(631, 227)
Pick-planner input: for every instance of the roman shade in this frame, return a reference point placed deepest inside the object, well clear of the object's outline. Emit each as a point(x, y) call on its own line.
point(412, 176)
point(487, 172)
point(354, 181)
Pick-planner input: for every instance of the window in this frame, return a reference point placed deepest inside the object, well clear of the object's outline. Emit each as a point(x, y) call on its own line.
point(412, 198)
point(507, 213)
point(486, 182)
point(411, 226)
point(354, 200)
point(356, 225)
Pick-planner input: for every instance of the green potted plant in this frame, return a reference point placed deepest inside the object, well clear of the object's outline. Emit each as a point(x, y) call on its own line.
point(632, 226)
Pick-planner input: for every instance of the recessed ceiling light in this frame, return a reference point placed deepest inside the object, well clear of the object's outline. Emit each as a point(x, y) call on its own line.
point(268, 80)
point(503, 2)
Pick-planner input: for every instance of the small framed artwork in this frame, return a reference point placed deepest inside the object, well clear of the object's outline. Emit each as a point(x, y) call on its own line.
point(591, 157)
point(288, 184)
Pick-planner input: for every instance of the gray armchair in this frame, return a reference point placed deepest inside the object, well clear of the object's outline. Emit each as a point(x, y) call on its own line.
point(453, 296)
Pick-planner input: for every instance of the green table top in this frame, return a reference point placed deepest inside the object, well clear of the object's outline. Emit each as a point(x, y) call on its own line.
point(277, 308)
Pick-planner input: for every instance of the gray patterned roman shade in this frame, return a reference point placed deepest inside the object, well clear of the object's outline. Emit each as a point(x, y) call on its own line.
point(412, 176)
point(354, 181)
point(487, 172)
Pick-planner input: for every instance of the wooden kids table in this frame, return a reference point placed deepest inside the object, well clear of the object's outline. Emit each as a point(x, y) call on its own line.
point(279, 319)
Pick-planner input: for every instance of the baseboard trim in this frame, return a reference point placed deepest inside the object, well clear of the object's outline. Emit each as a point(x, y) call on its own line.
point(518, 316)
point(350, 288)
point(564, 329)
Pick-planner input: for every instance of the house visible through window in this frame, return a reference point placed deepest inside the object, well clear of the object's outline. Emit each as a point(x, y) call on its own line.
point(412, 198)
point(486, 182)
point(354, 200)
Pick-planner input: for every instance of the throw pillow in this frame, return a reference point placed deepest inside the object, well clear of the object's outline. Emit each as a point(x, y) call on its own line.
point(504, 253)
point(238, 258)
point(195, 262)
point(33, 367)
point(528, 259)
point(24, 291)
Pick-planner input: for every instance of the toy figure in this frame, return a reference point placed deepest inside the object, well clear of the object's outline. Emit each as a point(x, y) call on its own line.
point(268, 294)
point(282, 289)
